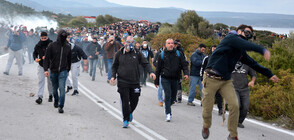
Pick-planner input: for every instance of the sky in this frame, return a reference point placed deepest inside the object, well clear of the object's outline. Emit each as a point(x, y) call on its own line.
point(249, 6)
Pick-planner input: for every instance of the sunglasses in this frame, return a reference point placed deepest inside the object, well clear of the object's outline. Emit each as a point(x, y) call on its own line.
point(43, 37)
point(248, 34)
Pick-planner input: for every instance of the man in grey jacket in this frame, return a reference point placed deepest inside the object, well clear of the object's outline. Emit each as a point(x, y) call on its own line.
point(242, 85)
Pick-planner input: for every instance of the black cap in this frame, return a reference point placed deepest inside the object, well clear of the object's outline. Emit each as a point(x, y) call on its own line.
point(44, 34)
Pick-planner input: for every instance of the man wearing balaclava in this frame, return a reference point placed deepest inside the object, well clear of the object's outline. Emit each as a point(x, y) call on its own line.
point(39, 55)
point(126, 69)
point(58, 60)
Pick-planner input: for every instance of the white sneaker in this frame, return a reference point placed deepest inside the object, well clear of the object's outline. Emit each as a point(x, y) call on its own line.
point(168, 118)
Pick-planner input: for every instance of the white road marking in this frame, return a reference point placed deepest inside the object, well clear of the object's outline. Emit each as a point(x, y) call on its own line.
point(3, 55)
point(137, 124)
point(248, 120)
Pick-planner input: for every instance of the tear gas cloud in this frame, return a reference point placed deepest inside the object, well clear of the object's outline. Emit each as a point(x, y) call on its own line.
point(31, 22)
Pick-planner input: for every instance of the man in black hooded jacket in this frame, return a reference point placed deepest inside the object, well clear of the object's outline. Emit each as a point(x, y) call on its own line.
point(58, 60)
point(39, 55)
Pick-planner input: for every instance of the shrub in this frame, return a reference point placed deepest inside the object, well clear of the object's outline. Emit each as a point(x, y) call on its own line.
point(272, 101)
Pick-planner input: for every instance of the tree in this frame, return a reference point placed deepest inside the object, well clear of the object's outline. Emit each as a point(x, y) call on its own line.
point(100, 20)
point(219, 26)
point(205, 29)
point(188, 22)
point(78, 22)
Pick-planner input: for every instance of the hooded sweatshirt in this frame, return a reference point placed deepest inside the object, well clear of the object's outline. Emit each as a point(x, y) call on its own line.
point(58, 54)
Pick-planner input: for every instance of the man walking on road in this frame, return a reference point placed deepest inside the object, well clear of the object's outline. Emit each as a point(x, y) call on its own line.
point(196, 61)
point(15, 45)
point(126, 69)
point(39, 55)
point(111, 47)
point(58, 60)
point(241, 86)
point(77, 54)
point(169, 66)
point(217, 76)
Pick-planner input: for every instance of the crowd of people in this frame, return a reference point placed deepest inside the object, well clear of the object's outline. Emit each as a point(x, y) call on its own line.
point(113, 50)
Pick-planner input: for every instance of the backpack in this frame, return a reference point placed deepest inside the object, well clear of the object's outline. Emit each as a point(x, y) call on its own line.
point(162, 54)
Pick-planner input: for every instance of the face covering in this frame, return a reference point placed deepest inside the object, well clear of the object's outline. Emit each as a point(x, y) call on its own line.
point(130, 47)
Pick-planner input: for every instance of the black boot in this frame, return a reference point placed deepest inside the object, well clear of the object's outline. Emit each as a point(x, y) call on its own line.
point(75, 93)
point(39, 100)
point(55, 103)
point(60, 110)
point(50, 98)
point(68, 88)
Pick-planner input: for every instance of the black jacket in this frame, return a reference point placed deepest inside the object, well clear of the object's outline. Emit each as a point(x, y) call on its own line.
point(92, 49)
point(40, 50)
point(58, 55)
point(77, 54)
point(126, 68)
point(170, 66)
point(147, 53)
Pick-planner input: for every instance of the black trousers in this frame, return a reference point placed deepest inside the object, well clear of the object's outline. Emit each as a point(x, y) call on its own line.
point(129, 99)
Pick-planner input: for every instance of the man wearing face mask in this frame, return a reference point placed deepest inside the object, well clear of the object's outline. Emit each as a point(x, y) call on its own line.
point(58, 60)
point(76, 55)
point(125, 69)
point(217, 76)
point(39, 55)
point(147, 54)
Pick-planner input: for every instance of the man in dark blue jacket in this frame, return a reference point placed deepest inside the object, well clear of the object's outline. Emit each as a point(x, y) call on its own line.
point(196, 62)
point(217, 75)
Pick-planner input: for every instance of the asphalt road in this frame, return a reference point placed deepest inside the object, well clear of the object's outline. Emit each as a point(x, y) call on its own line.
point(96, 114)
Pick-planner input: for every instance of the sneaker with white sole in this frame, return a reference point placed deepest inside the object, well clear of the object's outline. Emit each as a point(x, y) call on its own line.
point(168, 118)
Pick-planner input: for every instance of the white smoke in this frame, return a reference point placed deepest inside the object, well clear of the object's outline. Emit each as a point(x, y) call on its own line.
point(31, 22)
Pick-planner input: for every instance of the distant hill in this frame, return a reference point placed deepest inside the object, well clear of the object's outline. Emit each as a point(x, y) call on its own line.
point(101, 7)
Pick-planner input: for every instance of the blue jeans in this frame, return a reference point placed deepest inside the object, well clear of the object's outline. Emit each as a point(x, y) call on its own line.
point(170, 88)
point(58, 82)
point(109, 64)
point(93, 66)
point(194, 80)
point(159, 95)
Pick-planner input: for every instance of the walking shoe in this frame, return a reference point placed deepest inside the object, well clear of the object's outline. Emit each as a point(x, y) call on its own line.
point(240, 125)
point(205, 133)
point(179, 100)
point(68, 88)
point(101, 72)
point(108, 81)
point(6, 73)
point(39, 100)
point(75, 93)
point(220, 112)
point(55, 104)
point(126, 124)
point(190, 104)
point(50, 98)
point(60, 110)
point(19, 74)
point(93, 78)
point(131, 117)
point(160, 104)
point(232, 138)
point(168, 118)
